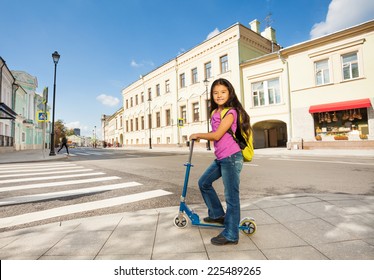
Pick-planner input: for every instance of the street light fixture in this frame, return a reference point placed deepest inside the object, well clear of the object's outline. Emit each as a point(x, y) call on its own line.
point(150, 122)
point(55, 57)
point(206, 83)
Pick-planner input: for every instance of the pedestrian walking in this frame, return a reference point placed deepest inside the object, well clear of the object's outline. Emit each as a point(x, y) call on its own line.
point(64, 142)
point(228, 163)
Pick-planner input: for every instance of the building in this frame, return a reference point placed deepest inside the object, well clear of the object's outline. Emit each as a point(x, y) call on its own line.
point(310, 94)
point(77, 131)
point(30, 131)
point(112, 129)
point(171, 102)
point(8, 88)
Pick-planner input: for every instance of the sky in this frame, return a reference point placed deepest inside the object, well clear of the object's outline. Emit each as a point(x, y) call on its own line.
point(106, 45)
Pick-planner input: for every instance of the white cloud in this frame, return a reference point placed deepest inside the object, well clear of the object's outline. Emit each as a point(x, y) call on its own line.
point(135, 64)
point(107, 100)
point(72, 125)
point(77, 124)
point(213, 33)
point(343, 14)
point(141, 64)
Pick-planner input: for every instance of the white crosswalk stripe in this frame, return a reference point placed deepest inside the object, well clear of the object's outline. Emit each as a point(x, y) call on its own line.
point(49, 177)
point(85, 152)
point(44, 196)
point(59, 176)
point(44, 173)
point(72, 209)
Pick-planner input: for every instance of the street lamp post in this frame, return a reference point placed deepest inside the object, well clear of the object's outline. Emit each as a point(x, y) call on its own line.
point(150, 123)
point(55, 57)
point(206, 83)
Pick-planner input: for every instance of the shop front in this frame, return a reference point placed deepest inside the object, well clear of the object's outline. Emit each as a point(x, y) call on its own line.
point(347, 120)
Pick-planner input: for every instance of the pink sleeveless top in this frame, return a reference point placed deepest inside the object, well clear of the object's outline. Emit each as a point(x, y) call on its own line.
point(226, 146)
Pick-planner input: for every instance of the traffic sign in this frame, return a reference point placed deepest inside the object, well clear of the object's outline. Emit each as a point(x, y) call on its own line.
point(42, 116)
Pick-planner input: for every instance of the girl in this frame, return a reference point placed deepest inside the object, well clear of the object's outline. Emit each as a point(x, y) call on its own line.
point(228, 163)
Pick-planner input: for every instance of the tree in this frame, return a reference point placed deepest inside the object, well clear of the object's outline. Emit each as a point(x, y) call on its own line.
point(60, 130)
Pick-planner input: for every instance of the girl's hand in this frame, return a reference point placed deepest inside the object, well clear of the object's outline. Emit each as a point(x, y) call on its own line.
point(194, 137)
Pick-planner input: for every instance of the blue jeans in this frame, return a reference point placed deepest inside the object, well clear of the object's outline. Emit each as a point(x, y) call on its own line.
point(229, 169)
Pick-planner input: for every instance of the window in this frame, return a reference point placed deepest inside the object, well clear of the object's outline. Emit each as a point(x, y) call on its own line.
point(142, 97)
point(182, 80)
point(158, 119)
point(224, 64)
point(136, 100)
point(167, 86)
point(127, 103)
point(132, 125)
point(168, 119)
point(131, 102)
point(258, 94)
point(158, 90)
point(350, 66)
point(208, 70)
point(195, 107)
point(322, 72)
point(183, 112)
point(194, 76)
point(136, 124)
point(149, 94)
point(266, 93)
point(120, 122)
point(142, 122)
point(127, 126)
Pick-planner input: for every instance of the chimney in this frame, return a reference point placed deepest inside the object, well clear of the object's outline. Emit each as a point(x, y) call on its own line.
point(269, 33)
point(255, 26)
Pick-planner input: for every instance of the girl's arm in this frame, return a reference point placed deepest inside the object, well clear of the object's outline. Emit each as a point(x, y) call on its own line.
point(216, 135)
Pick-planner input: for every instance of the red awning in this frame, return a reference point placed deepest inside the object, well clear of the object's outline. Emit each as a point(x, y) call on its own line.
point(338, 106)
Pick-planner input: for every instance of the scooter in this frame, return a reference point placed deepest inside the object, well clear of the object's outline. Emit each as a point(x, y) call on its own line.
point(247, 225)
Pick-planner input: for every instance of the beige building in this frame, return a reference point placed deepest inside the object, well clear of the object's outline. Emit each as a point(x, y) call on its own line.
point(311, 94)
point(307, 95)
point(168, 104)
point(112, 129)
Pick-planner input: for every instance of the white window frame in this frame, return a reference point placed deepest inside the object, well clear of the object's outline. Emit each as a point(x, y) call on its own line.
point(263, 94)
point(224, 62)
point(322, 72)
point(194, 76)
point(350, 65)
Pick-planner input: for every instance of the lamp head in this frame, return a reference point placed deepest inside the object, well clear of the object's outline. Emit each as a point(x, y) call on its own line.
point(55, 57)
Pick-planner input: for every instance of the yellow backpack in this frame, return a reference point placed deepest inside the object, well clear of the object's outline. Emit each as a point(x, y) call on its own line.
point(245, 143)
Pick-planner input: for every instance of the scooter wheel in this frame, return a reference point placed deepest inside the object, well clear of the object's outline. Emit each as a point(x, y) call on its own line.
point(180, 221)
point(248, 226)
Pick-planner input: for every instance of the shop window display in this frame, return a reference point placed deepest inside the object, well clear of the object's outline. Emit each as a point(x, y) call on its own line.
point(341, 125)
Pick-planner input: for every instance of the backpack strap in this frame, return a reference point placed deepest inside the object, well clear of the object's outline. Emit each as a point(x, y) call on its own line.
point(223, 114)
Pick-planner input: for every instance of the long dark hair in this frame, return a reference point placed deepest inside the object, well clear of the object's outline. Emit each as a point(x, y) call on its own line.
point(243, 121)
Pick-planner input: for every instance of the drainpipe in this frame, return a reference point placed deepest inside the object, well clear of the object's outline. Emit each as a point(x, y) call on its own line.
point(289, 130)
point(176, 101)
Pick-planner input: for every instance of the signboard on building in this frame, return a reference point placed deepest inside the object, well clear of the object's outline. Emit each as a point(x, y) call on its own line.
point(42, 116)
point(180, 122)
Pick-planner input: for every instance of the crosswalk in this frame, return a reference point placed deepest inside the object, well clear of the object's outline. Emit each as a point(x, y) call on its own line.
point(88, 152)
point(23, 185)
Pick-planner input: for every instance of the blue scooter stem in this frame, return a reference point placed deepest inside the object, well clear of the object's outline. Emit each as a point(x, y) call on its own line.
point(188, 168)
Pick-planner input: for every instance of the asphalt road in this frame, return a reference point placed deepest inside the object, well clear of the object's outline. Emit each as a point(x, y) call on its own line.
point(157, 171)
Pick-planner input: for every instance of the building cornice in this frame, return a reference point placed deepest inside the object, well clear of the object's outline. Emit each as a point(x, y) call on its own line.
point(354, 31)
